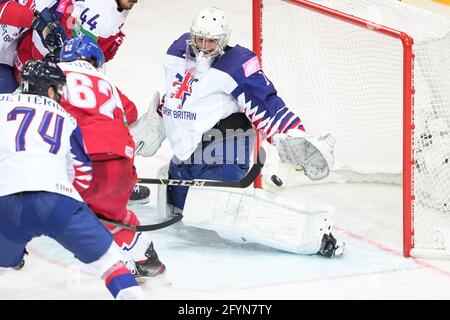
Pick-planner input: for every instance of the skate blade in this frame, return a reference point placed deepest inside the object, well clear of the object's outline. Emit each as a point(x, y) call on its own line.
point(138, 202)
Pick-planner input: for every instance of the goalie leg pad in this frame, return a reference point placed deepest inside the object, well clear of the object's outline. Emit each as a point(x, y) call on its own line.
point(257, 216)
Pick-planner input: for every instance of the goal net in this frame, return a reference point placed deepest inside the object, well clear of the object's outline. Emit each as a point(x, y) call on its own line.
point(376, 74)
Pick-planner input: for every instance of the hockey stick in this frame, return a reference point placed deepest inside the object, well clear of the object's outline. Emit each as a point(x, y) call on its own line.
point(149, 227)
point(245, 182)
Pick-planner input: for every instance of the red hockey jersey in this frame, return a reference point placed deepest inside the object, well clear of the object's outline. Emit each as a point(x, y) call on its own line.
point(17, 14)
point(102, 111)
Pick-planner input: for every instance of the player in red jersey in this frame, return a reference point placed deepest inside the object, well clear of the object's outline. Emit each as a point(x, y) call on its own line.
point(18, 14)
point(103, 114)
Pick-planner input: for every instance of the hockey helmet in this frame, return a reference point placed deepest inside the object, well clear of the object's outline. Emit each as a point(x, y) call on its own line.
point(84, 48)
point(210, 23)
point(37, 76)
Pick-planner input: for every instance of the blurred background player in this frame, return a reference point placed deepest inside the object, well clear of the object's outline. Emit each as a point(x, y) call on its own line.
point(103, 114)
point(37, 196)
point(212, 89)
point(16, 17)
point(102, 21)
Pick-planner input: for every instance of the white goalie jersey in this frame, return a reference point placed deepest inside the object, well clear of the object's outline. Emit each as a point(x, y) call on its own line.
point(195, 101)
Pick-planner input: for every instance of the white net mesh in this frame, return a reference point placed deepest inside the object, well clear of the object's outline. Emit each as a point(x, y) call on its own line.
point(348, 80)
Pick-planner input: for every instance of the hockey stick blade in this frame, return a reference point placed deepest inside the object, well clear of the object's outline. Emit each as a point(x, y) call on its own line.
point(245, 182)
point(149, 227)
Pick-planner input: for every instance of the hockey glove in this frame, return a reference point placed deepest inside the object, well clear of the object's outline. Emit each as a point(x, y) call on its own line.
point(148, 131)
point(110, 45)
point(50, 31)
point(314, 155)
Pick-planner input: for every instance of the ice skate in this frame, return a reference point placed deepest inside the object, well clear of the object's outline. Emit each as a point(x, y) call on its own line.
point(330, 247)
point(140, 195)
point(150, 267)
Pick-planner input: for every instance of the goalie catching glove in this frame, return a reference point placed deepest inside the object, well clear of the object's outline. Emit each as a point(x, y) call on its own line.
point(314, 155)
point(148, 131)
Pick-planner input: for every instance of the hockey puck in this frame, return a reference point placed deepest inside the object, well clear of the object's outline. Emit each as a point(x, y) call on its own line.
point(276, 180)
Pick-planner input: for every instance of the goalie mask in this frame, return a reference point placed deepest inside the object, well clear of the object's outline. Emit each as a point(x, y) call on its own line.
point(209, 33)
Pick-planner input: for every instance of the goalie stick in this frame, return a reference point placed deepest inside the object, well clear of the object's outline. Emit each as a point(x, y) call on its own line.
point(246, 181)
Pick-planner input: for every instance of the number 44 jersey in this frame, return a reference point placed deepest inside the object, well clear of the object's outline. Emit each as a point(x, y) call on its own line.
point(100, 18)
point(41, 147)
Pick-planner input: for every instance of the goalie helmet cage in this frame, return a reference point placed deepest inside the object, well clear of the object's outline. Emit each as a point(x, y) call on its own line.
point(376, 73)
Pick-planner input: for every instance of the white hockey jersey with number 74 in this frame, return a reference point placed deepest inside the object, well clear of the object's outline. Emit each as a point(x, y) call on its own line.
point(41, 148)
